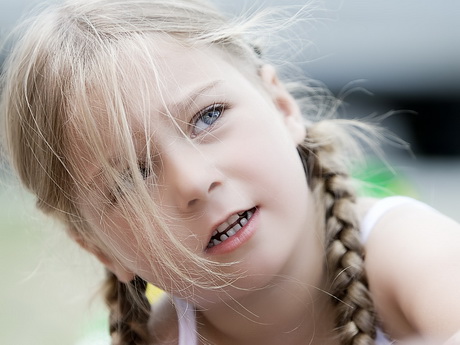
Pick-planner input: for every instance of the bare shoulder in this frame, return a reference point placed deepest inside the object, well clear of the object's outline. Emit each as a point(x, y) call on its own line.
point(413, 265)
point(163, 324)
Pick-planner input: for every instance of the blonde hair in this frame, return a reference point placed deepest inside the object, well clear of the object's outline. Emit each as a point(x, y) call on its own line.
point(76, 50)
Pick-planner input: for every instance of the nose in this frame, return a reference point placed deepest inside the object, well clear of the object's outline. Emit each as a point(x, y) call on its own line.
point(189, 177)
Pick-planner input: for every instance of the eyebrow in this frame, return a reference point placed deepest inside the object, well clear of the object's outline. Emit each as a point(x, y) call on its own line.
point(190, 97)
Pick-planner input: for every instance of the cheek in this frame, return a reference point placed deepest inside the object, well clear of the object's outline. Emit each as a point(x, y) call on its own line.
point(136, 248)
point(267, 150)
point(116, 236)
point(119, 239)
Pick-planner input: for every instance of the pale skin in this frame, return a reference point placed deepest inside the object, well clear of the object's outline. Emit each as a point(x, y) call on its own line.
point(412, 255)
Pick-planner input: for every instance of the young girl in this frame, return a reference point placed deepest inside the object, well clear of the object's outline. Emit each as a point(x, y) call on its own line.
point(169, 149)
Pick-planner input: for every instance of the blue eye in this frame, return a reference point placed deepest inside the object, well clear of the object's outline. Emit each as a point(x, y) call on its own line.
point(206, 118)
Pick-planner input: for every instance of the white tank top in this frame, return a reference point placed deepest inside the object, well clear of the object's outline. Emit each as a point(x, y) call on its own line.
point(188, 334)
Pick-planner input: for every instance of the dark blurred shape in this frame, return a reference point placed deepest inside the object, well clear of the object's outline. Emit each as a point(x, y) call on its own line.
point(437, 125)
point(430, 123)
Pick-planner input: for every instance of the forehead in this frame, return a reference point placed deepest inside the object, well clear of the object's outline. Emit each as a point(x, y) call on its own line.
point(164, 72)
point(178, 70)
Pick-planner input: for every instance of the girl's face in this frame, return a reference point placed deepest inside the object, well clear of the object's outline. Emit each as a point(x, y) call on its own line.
point(228, 179)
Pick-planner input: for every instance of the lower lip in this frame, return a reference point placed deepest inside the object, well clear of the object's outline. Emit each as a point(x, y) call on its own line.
point(237, 240)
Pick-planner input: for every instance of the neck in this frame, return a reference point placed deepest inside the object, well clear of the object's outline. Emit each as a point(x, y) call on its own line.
point(293, 309)
point(286, 313)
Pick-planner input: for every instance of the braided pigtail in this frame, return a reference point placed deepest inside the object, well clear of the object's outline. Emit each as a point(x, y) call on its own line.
point(129, 311)
point(331, 184)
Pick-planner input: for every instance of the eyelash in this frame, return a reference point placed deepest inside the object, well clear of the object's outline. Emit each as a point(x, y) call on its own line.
point(127, 179)
point(221, 107)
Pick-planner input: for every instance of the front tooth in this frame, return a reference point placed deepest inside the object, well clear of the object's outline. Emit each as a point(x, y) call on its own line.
point(231, 232)
point(222, 227)
point(233, 219)
point(237, 227)
point(223, 237)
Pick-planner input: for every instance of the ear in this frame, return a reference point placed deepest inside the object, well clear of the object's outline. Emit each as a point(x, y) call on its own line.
point(113, 265)
point(284, 102)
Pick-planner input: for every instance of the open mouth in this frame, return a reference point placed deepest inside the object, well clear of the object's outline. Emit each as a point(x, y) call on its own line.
point(230, 227)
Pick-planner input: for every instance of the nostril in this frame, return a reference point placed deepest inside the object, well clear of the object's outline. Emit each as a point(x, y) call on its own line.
point(192, 203)
point(212, 186)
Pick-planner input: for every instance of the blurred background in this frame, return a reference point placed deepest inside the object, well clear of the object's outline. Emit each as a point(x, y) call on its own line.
point(406, 54)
